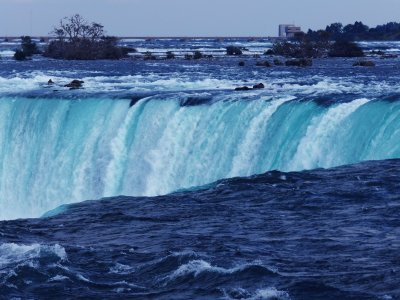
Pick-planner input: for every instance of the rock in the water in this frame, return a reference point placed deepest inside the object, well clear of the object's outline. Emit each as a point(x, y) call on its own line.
point(263, 64)
point(242, 63)
point(50, 82)
point(19, 55)
point(301, 62)
point(75, 84)
point(242, 88)
point(364, 63)
point(233, 50)
point(269, 52)
point(170, 55)
point(258, 86)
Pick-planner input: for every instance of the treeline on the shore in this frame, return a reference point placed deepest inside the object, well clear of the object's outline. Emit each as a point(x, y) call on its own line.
point(335, 40)
point(303, 47)
point(78, 39)
point(357, 32)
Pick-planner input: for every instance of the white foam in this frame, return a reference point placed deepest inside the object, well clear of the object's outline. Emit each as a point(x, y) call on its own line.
point(249, 146)
point(11, 253)
point(121, 269)
point(199, 266)
point(270, 293)
point(58, 278)
point(83, 278)
point(315, 147)
point(6, 53)
point(26, 82)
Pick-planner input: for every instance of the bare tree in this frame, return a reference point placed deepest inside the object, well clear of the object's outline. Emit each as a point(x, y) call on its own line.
point(76, 27)
point(79, 39)
point(96, 31)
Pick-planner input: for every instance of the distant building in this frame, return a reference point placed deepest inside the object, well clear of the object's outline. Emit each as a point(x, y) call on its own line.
point(282, 30)
point(288, 30)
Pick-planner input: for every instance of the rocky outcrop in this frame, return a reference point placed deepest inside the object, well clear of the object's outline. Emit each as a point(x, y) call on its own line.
point(258, 86)
point(19, 55)
point(170, 55)
point(301, 62)
point(263, 64)
point(75, 84)
point(233, 50)
point(364, 63)
point(243, 88)
point(246, 88)
point(269, 52)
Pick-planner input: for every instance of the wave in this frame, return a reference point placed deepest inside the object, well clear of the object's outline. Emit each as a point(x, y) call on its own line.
point(15, 254)
point(29, 261)
point(261, 294)
point(129, 246)
point(197, 267)
point(70, 150)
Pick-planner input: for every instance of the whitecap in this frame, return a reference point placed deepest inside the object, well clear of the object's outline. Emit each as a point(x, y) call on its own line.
point(121, 269)
point(270, 293)
point(199, 266)
point(58, 278)
point(11, 253)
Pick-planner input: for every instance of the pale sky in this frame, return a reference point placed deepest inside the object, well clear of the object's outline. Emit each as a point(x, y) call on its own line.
point(192, 18)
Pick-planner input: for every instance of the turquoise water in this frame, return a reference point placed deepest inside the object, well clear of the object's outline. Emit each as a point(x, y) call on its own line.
point(69, 150)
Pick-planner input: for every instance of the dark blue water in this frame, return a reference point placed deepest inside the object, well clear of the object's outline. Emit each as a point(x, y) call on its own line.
point(324, 234)
point(204, 215)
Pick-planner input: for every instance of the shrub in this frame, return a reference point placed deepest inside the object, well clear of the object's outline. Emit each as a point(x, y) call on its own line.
point(301, 49)
point(28, 47)
point(19, 55)
point(170, 55)
point(285, 49)
point(345, 49)
point(197, 55)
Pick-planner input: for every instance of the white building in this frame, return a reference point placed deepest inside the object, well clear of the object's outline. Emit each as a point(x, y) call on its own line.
point(288, 30)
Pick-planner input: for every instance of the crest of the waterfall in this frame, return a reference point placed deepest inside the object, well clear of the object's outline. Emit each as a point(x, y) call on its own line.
point(72, 150)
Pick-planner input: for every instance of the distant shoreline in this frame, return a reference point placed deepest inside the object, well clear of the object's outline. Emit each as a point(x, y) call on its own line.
point(159, 37)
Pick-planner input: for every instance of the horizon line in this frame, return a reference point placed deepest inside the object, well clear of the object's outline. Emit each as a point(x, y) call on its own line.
point(154, 37)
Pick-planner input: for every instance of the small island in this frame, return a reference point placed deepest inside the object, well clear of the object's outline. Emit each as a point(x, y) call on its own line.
point(78, 39)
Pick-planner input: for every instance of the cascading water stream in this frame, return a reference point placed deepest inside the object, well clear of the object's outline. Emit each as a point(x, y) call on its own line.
point(57, 151)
